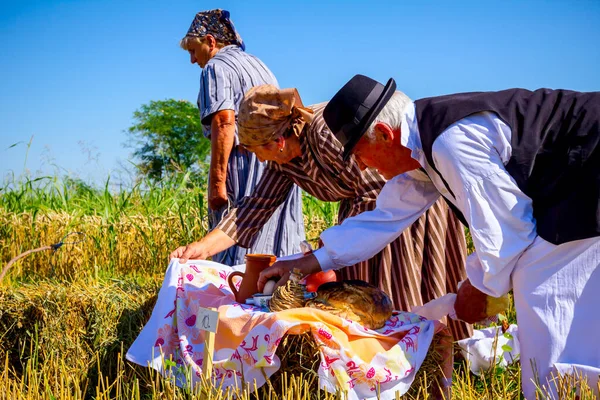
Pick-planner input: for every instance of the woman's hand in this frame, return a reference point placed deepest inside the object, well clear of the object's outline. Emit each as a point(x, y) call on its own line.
point(306, 265)
point(194, 251)
point(217, 196)
point(215, 242)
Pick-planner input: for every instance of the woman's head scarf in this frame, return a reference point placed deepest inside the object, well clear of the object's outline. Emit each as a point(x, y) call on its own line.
point(267, 113)
point(216, 23)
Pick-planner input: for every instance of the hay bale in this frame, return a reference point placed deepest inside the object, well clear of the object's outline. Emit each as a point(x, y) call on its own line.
point(428, 379)
point(67, 327)
point(299, 355)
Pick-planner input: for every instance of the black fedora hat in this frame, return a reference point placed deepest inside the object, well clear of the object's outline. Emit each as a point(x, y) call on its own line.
point(354, 107)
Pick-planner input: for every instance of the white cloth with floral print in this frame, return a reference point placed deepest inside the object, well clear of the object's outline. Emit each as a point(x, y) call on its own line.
point(353, 358)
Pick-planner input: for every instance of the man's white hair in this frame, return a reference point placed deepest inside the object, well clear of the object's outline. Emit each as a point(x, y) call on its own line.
point(391, 114)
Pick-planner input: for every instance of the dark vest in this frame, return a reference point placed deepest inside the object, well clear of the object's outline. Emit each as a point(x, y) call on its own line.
point(555, 154)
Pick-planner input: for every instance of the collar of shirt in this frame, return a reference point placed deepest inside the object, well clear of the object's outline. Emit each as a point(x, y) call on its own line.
point(305, 162)
point(409, 134)
point(410, 138)
point(228, 48)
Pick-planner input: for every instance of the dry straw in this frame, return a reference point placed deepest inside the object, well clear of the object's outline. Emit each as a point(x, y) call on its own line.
point(69, 325)
point(127, 245)
point(67, 317)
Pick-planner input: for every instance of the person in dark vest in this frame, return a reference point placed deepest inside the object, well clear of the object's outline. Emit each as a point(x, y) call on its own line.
point(520, 168)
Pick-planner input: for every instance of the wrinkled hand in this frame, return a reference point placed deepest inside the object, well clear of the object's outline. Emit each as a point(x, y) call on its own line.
point(217, 196)
point(471, 303)
point(194, 250)
point(306, 265)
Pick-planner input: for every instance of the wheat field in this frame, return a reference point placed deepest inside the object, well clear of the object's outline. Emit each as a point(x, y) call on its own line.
point(67, 317)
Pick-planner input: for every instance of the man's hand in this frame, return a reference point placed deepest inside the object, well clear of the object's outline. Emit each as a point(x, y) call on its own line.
point(307, 265)
point(194, 250)
point(471, 303)
point(217, 196)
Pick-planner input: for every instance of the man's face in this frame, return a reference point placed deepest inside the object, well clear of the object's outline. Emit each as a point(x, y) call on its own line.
point(200, 53)
point(384, 154)
point(371, 154)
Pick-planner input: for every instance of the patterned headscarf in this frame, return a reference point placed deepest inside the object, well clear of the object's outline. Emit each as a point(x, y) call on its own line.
point(216, 23)
point(267, 112)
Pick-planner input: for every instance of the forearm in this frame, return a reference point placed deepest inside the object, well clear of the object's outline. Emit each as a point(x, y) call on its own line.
point(400, 203)
point(499, 214)
point(215, 242)
point(222, 139)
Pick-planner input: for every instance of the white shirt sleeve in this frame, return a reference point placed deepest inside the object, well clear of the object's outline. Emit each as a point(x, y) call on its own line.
point(470, 156)
point(402, 200)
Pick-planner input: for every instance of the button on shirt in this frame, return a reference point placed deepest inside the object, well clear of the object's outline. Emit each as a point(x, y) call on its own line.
point(471, 155)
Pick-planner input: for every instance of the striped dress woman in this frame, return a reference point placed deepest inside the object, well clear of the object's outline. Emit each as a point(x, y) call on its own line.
point(424, 263)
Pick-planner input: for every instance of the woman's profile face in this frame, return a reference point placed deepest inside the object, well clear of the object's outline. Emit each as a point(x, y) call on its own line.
point(270, 152)
point(265, 152)
point(200, 52)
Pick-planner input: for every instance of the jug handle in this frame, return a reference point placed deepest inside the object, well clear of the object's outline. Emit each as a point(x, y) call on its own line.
point(231, 284)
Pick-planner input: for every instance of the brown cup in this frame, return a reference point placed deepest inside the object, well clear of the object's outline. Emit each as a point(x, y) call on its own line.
point(255, 264)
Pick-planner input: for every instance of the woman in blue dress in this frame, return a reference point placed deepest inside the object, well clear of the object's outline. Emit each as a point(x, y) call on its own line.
point(228, 72)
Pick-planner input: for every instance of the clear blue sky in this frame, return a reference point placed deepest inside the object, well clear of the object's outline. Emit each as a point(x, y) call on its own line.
point(73, 72)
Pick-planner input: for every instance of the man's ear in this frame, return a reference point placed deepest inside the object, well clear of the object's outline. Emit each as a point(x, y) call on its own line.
point(384, 133)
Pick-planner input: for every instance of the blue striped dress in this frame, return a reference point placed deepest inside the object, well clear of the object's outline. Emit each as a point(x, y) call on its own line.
point(224, 81)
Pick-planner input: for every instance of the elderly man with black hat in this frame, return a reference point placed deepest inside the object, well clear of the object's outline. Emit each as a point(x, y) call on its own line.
point(520, 168)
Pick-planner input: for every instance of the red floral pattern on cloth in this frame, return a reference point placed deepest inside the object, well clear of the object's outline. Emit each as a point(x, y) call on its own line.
point(353, 358)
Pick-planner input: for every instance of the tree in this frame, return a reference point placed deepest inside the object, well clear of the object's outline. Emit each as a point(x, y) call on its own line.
point(168, 138)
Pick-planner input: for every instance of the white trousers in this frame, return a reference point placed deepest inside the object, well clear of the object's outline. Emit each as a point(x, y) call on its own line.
point(557, 299)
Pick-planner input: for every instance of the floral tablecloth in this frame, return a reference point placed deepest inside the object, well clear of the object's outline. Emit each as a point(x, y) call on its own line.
point(353, 358)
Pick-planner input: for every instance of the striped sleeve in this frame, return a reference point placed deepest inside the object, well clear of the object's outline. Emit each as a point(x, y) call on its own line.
point(366, 184)
point(216, 93)
point(367, 190)
point(243, 222)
